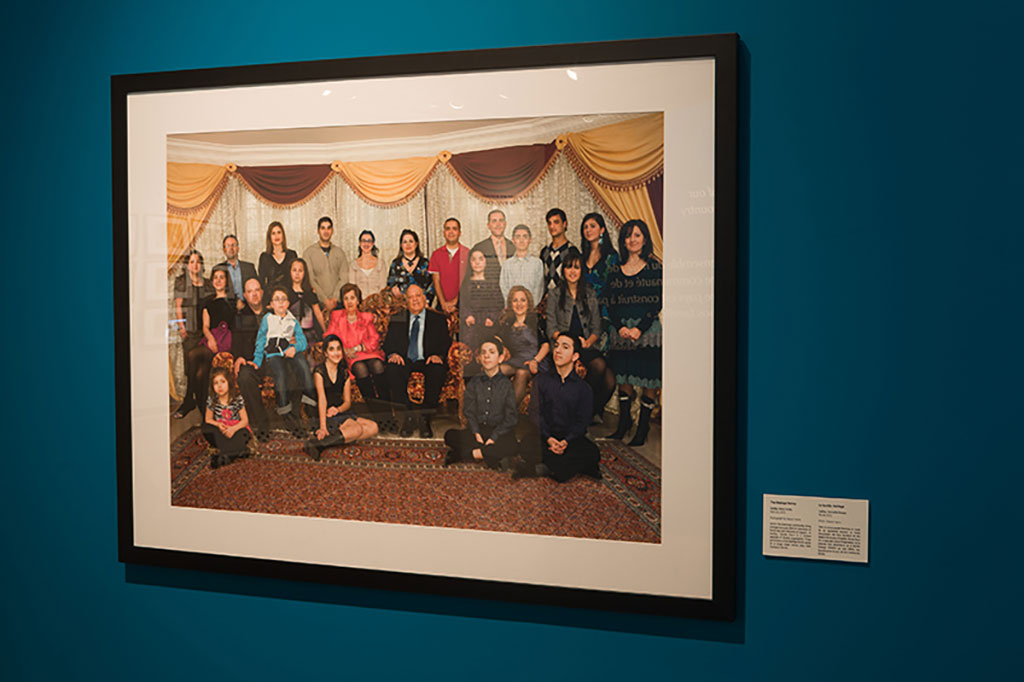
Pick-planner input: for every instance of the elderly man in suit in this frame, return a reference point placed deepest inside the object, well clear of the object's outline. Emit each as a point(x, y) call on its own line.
point(417, 341)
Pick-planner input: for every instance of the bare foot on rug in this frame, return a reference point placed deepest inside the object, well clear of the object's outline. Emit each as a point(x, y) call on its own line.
point(478, 453)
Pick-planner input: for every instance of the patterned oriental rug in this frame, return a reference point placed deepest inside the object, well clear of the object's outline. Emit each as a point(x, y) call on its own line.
point(404, 481)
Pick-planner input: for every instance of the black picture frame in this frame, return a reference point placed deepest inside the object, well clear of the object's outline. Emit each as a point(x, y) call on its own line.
point(723, 51)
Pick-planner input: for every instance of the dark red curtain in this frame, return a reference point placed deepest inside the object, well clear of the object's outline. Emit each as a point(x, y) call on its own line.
point(503, 173)
point(656, 193)
point(284, 184)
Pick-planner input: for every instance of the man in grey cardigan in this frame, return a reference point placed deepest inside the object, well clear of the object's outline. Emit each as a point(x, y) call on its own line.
point(328, 265)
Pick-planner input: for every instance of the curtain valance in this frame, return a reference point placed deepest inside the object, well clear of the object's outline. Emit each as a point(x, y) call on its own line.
point(503, 174)
point(621, 165)
point(193, 190)
point(387, 183)
point(285, 185)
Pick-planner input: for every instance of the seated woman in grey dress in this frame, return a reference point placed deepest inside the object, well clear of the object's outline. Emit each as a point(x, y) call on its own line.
point(522, 333)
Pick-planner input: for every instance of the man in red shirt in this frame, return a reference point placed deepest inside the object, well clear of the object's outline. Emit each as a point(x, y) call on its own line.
point(448, 266)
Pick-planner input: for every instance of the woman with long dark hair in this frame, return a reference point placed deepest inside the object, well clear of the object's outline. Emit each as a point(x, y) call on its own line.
point(410, 267)
point(599, 255)
point(303, 301)
point(480, 302)
point(275, 262)
point(634, 309)
point(368, 271)
point(337, 424)
point(573, 309)
point(191, 290)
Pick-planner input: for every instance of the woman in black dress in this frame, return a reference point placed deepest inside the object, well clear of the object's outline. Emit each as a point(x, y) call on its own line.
point(190, 290)
point(219, 313)
point(337, 423)
point(275, 263)
point(634, 310)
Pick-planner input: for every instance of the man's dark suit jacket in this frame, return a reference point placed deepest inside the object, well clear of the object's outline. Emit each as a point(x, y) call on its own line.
point(487, 246)
point(493, 264)
point(248, 272)
point(436, 340)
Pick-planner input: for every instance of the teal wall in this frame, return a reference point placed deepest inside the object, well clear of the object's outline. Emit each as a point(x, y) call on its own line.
point(881, 146)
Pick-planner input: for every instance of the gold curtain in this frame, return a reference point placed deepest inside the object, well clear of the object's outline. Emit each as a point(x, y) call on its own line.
point(387, 183)
point(622, 155)
point(193, 190)
point(616, 162)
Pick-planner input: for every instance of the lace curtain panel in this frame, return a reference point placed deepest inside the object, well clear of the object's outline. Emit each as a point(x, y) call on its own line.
point(243, 214)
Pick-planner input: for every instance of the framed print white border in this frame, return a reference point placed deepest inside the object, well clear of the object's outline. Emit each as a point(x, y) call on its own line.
point(693, 80)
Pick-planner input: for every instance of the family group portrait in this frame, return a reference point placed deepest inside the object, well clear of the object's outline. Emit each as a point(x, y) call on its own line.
point(452, 324)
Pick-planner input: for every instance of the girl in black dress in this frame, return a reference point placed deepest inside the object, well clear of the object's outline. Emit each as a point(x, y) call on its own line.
point(338, 424)
point(480, 304)
point(304, 303)
point(275, 263)
point(219, 314)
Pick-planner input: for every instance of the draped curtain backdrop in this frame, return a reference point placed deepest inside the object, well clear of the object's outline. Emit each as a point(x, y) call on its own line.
point(616, 170)
point(619, 166)
point(193, 191)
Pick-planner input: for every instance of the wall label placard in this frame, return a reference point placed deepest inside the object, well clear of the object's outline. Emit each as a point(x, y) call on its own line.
point(828, 528)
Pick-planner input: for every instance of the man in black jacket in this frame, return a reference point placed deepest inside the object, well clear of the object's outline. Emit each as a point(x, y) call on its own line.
point(243, 345)
point(417, 341)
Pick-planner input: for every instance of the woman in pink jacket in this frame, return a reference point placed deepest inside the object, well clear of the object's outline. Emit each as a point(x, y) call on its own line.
point(361, 343)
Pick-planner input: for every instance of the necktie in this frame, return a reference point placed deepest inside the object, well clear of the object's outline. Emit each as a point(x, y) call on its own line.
point(414, 335)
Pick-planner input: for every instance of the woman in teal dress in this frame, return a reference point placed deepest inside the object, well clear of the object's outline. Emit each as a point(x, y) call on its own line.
point(633, 297)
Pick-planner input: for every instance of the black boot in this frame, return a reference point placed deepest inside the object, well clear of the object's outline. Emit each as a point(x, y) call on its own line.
point(644, 425)
point(625, 417)
point(315, 448)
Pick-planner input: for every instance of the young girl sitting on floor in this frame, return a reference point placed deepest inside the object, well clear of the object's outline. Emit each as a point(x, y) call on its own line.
point(227, 425)
point(338, 424)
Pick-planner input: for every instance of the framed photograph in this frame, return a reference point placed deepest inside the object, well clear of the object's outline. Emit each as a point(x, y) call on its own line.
point(461, 323)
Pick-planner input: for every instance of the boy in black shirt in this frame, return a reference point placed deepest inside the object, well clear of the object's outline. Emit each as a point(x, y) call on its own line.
point(489, 404)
